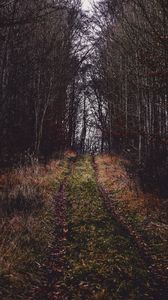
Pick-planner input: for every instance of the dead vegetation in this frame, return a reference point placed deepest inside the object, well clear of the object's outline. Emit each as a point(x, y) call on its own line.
point(29, 218)
point(113, 175)
point(26, 226)
point(144, 211)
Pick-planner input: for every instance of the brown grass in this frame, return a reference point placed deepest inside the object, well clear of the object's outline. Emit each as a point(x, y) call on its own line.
point(113, 176)
point(70, 154)
point(26, 226)
point(146, 212)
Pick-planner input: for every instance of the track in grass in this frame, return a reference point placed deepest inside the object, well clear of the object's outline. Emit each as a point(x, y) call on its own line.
point(51, 286)
point(103, 263)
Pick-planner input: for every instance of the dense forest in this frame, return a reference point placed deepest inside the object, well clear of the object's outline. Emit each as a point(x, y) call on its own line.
point(83, 150)
point(129, 80)
point(88, 82)
point(41, 54)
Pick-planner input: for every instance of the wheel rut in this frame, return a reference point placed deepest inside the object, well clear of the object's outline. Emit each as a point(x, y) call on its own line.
point(104, 262)
point(159, 278)
point(92, 256)
point(51, 287)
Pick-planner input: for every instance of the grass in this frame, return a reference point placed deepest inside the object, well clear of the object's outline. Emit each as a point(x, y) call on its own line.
point(26, 226)
point(103, 263)
point(140, 209)
point(114, 177)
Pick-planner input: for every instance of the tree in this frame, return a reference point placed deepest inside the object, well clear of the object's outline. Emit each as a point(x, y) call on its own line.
point(40, 56)
point(131, 78)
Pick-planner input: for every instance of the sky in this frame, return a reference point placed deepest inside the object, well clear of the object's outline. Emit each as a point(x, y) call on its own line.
point(86, 4)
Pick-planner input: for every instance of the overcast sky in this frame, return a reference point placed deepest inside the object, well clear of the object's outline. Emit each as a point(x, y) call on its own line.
point(87, 4)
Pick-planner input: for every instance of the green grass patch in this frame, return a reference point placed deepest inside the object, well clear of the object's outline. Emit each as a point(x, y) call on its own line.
point(103, 262)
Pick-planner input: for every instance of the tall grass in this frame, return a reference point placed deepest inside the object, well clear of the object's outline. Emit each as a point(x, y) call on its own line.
point(26, 224)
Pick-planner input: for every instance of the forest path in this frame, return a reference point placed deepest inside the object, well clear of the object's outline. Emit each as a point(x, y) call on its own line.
point(103, 262)
point(92, 256)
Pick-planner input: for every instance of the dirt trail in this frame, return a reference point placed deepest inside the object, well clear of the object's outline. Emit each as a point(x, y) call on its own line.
point(103, 262)
point(92, 257)
point(51, 286)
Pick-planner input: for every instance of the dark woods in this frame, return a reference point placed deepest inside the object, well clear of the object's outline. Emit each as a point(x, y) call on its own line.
point(130, 81)
point(63, 85)
point(40, 46)
point(83, 226)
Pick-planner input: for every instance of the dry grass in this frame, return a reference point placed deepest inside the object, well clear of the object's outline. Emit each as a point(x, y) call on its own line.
point(145, 211)
point(26, 226)
point(114, 177)
point(112, 174)
point(70, 154)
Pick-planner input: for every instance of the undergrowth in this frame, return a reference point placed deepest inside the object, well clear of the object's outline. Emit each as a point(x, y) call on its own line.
point(143, 211)
point(26, 226)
